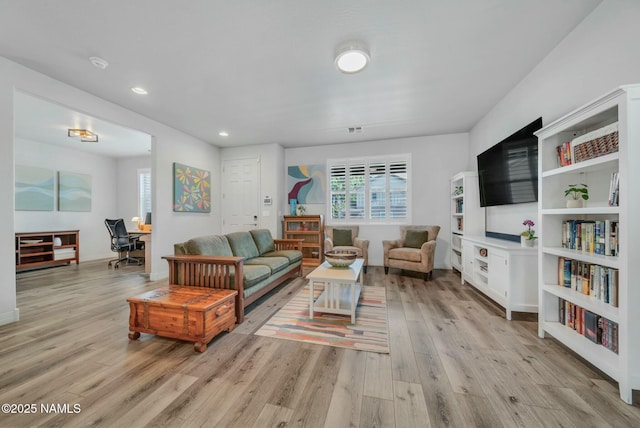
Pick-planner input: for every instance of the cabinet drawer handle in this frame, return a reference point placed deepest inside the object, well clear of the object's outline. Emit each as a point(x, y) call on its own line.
point(222, 310)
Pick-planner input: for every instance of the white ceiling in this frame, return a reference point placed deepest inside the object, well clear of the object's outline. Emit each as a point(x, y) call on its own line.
point(40, 120)
point(263, 70)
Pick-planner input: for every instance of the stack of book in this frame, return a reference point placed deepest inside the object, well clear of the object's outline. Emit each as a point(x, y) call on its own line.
point(614, 189)
point(599, 282)
point(591, 236)
point(459, 203)
point(564, 154)
point(594, 327)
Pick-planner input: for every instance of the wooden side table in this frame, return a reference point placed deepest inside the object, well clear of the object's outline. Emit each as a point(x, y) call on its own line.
point(195, 314)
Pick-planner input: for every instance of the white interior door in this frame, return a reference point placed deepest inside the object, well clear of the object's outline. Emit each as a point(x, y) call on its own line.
point(240, 195)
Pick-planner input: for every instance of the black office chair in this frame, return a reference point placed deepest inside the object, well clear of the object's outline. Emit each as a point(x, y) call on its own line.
point(121, 242)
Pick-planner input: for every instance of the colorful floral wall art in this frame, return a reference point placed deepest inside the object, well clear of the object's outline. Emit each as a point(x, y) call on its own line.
point(191, 189)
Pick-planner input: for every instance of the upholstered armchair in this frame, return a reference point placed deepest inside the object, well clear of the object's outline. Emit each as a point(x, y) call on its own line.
point(346, 238)
point(415, 250)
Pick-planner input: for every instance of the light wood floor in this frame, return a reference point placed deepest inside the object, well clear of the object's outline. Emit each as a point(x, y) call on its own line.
point(455, 361)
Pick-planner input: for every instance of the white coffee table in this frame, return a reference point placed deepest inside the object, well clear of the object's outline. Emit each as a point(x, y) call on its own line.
point(342, 288)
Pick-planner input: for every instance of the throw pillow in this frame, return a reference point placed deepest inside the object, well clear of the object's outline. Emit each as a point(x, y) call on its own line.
point(342, 238)
point(415, 238)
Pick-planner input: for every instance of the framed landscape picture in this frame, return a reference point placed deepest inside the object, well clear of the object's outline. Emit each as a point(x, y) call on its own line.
point(191, 189)
point(74, 191)
point(33, 188)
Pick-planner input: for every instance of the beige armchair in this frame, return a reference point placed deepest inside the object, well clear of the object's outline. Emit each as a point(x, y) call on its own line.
point(408, 252)
point(360, 246)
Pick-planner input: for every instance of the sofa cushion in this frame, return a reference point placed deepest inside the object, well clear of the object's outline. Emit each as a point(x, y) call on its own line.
point(292, 255)
point(342, 238)
point(263, 240)
point(254, 288)
point(213, 245)
point(415, 238)
point(253, 274)
point(242, 245)
point(273, 263)
point(406, 254)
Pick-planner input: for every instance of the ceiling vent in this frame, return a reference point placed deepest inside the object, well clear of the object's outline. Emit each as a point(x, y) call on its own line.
point(355, 130)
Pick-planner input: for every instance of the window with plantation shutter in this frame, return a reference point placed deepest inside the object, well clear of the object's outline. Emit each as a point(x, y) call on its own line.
point(144, 192)
point(369, 190)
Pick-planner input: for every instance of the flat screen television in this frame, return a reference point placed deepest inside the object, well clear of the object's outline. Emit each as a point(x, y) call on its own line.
point(508, 171)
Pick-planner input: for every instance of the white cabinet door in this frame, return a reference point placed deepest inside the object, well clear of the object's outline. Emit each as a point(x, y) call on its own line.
point(498, 273)
point(467, 260)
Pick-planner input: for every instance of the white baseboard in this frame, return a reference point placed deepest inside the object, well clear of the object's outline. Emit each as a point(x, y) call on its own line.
point(9, 317)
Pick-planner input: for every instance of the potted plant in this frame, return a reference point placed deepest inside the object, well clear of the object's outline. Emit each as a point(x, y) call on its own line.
point(528, 237)
point(578, 193)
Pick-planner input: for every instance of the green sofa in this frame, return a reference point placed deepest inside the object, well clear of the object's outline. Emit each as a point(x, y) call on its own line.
point(253, 263)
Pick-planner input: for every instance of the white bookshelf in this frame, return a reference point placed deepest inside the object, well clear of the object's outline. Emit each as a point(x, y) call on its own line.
point(467, 217)
point(621, 105)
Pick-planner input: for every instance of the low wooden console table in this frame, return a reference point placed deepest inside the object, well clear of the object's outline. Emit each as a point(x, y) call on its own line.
point(195, 314)
point(42, 249)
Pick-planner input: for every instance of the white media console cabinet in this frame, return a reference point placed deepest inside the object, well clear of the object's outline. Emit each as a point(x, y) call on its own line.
point(503, 270)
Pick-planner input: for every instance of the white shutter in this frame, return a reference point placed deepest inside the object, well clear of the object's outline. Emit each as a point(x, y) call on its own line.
point(144, 192)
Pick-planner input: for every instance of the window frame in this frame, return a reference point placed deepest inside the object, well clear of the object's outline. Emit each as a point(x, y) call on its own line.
point(141, 209)
point(354, 164)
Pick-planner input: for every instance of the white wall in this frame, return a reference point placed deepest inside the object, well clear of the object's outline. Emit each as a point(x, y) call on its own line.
point(168, 145)
point(270, 180)
point(94, 240)
point(170, 227)
point(600, 54)
point(434, 160)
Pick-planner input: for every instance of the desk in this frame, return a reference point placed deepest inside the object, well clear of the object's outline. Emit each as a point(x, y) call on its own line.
point(145, 236)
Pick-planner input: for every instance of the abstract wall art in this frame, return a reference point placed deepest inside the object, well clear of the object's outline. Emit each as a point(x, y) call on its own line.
point(307, 183)
point(191, 189)
point(33, 188)
point(74, 191)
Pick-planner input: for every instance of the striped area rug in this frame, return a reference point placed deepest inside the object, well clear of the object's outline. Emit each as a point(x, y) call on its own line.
point(370, 332)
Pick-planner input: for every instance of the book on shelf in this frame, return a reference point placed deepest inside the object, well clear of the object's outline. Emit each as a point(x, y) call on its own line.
point(591, 236)
point(459, 206)
point(592, 326)
point(599, 282)
point(564, 154)
point(614, 189)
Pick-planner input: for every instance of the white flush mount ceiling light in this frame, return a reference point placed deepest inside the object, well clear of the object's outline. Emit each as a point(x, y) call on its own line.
point(223, 133)
point(138, 90)
point(352, 58)
point(84, 135)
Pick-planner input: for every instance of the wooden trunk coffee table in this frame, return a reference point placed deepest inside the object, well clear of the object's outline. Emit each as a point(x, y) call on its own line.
point(341, 289)
point(196, 314)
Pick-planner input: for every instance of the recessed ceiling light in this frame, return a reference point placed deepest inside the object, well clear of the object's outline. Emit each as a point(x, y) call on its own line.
point(352, 58)
point(223, 133)
point(138, 90)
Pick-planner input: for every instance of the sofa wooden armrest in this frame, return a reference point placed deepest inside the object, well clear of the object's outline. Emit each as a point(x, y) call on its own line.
point(211, 272)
